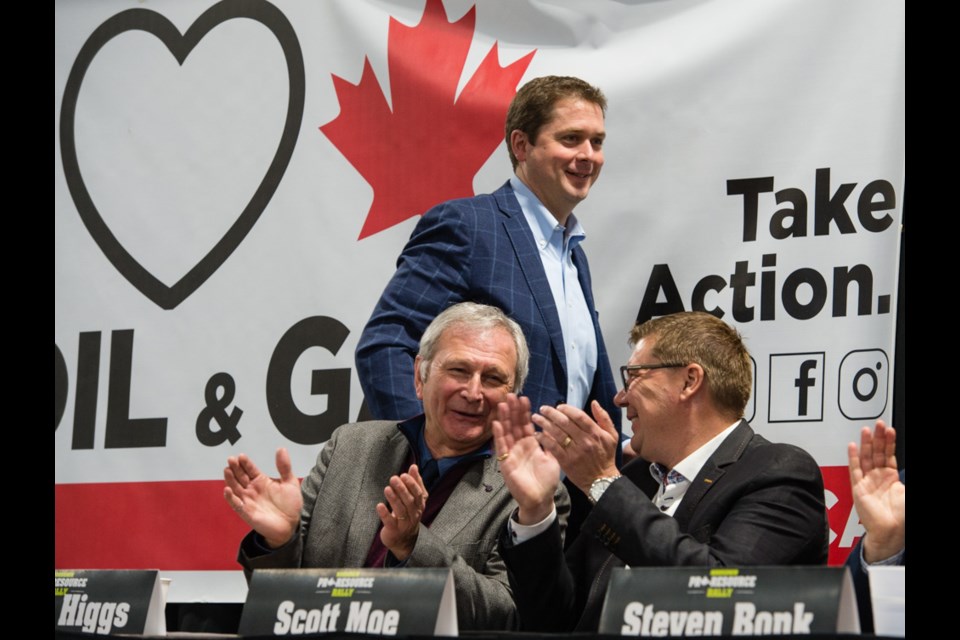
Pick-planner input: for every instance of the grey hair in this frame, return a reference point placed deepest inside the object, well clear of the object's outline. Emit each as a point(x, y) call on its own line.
point(480, 317)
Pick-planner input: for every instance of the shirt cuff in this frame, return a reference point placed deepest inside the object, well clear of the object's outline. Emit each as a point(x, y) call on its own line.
point(260, 543)
point(892, 561)
point(520, 533)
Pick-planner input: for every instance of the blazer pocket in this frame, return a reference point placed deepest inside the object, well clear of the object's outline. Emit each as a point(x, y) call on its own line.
point(476, 552)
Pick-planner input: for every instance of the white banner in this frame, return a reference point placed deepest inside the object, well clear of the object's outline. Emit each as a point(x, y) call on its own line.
point(234, 182)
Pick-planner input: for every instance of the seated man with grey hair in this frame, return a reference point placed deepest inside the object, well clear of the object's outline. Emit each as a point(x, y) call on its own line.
point(425, 492)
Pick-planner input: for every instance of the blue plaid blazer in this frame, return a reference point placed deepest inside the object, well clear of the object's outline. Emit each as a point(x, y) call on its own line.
point(478, 249)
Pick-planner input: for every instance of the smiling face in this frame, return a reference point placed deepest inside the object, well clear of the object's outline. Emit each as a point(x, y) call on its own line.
point(472, 371)
point(565, 160)
point(650, 400)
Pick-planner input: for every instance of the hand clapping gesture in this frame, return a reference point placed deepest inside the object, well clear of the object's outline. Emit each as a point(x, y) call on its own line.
point(530, 473)
point(271, 506)
point(407, 497)
point(878, 492)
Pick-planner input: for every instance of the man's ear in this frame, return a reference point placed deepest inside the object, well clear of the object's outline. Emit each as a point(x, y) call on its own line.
point(519, 144)
point(417, 382)
point(694, 379)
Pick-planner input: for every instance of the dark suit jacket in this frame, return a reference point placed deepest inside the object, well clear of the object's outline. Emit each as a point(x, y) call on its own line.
point(338, 521)
point(753, 503)
point(476, 249)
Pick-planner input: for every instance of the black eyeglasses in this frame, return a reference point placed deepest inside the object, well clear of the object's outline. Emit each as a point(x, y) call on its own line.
point(625, 370)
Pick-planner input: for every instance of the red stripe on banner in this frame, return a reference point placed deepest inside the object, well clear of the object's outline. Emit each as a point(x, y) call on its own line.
point(174, 526)
point(187, 526)
point(844, 525)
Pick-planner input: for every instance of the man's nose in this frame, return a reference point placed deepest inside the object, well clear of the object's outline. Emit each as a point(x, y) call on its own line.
point(621, 398)
point(587, 151)
point(473, 389)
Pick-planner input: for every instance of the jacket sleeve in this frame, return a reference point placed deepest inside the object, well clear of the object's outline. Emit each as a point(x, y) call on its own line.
point(484, 599)
point(768, 509)
point(543, 584)
point(432, 274)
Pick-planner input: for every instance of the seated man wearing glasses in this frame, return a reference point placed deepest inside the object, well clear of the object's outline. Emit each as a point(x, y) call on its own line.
point(707, 491)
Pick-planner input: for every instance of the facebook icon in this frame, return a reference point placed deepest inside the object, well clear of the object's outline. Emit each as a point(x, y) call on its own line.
point(796, 387)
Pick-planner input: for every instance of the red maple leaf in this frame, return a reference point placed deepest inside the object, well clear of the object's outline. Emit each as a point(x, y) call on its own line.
point(430, 145)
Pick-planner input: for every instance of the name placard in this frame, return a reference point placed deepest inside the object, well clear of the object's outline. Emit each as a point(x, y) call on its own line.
point(888, 590)
point(109, 601)
point(692, 601)
point(375, 601)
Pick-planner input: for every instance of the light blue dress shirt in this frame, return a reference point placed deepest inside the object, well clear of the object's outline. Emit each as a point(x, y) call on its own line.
point(556, 244)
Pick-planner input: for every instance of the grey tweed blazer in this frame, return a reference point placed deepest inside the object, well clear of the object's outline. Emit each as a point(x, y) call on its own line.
point(339, 520)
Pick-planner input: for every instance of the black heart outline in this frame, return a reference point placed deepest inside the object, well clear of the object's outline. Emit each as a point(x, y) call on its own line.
point(180, 46)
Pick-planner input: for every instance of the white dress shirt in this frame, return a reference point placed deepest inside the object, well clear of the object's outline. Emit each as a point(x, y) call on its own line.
point(556, 243)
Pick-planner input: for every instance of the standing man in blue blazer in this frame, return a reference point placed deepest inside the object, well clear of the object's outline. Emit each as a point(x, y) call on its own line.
point(519, 249)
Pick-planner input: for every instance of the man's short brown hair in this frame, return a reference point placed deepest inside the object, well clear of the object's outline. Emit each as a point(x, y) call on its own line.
point(698, 337)
point(533, 105)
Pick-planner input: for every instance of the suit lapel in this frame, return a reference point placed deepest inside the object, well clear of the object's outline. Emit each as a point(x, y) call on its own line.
point(528, 256)
point(727, 453)
point(380, 465)
point(583, 275)
point(477, 487)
